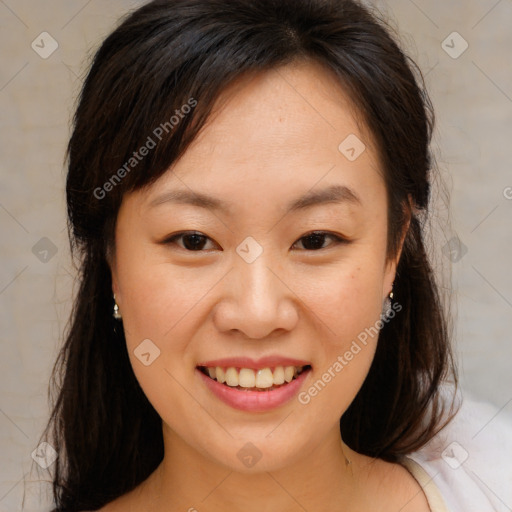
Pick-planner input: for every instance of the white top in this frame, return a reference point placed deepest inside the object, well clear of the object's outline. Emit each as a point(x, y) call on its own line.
point(467, 467)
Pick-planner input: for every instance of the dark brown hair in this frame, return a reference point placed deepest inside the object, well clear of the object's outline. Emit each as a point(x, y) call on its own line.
point(107, 434)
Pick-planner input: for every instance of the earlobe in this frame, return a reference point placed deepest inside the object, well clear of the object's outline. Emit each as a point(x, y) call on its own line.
point(405, 230)
point(115, 294)
point(390, 278)
point(116, 313)
point(110, 259)
point(115, 287)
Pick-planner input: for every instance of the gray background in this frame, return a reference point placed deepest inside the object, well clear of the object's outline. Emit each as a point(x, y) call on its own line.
point(472, 95)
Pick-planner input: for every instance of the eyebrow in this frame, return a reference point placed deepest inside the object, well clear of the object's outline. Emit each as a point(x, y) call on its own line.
point(332, 194)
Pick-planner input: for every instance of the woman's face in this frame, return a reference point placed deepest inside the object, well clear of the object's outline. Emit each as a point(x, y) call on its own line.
point(253, 291)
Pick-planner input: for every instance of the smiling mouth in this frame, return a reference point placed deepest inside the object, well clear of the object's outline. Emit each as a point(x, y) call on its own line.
point(247, 379)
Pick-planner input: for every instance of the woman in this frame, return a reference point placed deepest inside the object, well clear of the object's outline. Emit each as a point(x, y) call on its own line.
point(258, 326)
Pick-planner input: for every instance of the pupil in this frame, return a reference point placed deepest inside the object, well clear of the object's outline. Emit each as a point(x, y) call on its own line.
point(317, 241)
point(197, 241)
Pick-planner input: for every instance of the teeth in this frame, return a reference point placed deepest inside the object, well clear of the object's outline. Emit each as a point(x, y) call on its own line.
point(264, 378)
point(220, 375)
point(279, 375)
point(288, 373)
point(232, 377)
point(248, 378)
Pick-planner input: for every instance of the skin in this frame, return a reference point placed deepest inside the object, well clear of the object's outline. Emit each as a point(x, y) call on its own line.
point(274, 136)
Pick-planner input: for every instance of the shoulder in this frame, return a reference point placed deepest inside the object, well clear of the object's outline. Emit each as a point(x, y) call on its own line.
point(470, 459)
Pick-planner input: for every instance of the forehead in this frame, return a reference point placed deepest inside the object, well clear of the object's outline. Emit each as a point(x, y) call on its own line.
point(276, 131)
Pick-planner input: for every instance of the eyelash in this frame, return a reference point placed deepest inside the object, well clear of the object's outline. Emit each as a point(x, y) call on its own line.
point(336, 238)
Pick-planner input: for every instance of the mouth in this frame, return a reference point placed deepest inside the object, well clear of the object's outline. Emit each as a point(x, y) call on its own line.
point(249, 379)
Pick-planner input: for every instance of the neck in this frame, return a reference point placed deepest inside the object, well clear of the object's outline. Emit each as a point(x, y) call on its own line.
point(188, 481)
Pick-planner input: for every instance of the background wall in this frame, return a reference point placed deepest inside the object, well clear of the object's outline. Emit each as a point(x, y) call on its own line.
point(44, 47)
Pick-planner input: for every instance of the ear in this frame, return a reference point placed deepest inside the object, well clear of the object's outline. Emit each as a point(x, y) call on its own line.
point(392, 264)
point(111, 262)
point(115, 288)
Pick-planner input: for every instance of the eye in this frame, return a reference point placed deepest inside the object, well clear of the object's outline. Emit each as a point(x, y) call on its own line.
point(314, 241)
point(192, 241)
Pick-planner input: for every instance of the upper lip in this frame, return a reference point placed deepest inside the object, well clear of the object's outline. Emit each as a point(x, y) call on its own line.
point(247, 362)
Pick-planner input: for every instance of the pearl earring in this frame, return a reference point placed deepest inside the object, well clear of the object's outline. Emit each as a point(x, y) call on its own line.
point(387, 308)
point(116, 313)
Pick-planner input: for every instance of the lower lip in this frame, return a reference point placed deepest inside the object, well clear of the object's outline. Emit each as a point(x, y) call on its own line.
point(254, 401)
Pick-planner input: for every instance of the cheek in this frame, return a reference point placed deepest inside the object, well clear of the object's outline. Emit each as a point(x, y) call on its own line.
point(348, 301)
point(160, 302)
point(349, 306)
point(157, 299)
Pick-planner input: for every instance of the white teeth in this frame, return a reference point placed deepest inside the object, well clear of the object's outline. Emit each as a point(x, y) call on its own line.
point(246, 378)
point(220, 375)
point(232, 377)
point(279, 375)
point(263, 378)
point(289, 371)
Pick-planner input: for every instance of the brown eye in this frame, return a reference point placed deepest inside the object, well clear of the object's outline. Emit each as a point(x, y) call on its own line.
point(315, 241)
point(191, 241)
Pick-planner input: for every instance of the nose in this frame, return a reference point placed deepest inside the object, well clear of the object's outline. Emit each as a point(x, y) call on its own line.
point(256, 301)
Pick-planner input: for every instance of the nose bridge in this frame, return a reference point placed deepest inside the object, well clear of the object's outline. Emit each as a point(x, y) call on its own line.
point(258, 290)
point(257, 302)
